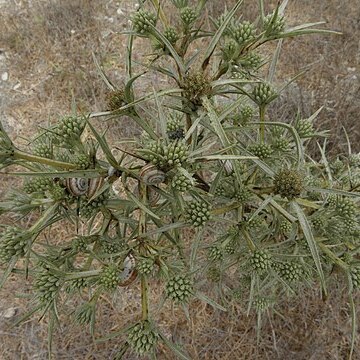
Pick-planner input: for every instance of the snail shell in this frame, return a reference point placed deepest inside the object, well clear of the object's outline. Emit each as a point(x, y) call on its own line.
point(77, 186)
point(129, 273)
point(94, 185)
point(152, 195)
point(151, 175)
point(83, 186)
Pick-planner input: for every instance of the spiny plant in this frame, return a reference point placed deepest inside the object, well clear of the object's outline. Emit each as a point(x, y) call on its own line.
point(209, 156)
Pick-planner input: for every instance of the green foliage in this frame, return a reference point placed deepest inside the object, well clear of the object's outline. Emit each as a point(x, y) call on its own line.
point(215, 193)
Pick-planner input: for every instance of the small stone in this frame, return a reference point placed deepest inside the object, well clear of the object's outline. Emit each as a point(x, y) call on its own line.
point(5, 76)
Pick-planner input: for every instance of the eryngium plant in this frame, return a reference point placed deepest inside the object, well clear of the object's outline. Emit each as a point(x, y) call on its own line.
point(209, 156)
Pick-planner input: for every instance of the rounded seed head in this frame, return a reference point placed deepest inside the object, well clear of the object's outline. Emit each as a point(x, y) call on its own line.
point(288, 183)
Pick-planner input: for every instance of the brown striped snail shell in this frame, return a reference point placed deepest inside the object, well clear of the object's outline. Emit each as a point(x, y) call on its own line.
point(94, 185)
point(151, 175)
point(153, 196)
point(83, 186)
point(129, 273)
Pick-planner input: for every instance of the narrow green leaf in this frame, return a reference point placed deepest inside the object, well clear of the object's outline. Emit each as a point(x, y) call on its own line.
point(353, 325)
point(141, 205)
point(215, 39)
point(174, 348)
point(306, 228)
point(168, 45)
point(225, 157)
point(209, 301)
point(104, 146)
point(102, 74)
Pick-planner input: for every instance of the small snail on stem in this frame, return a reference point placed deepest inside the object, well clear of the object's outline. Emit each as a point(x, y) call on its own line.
point(151, 175)
point(83, 186)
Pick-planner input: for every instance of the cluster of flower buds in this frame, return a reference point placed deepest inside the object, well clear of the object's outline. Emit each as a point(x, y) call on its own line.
point(44, 149)
point(289, 271)
point(274, 24)
point(179, 288)
point(39, 184)
point(47, 285)
point(355, 276)
point(260, 261)
point(288, 183)
point(70, 128)
point(244, 32)
point(285, 227)
point(82, 161)
point(197, 212)
point(142, 338)
point(262, 151)
point(345, 207)
point(305, 128)
point(251, 61)
point(167, 156)
point(263, 94)
point(171, 34)
point(13, 243)
point(181, 182)
point(110, 277)
point(215, 253)
point(143, 21)
point(145, 266)
point(261, 303)
point(188, 16)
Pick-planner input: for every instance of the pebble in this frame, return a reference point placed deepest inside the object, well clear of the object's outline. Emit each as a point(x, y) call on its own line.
point(9, 313)
point(5, 76)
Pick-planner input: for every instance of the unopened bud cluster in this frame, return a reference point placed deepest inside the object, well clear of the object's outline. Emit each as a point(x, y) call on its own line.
point(110, 277)
point(167, 156)
point(188, 16)
point(13, 242)
point(244, 32)
point(215, 253)
point(145, 266)
point(43, 149)
point(262, 151)
point(70, 127)
point(47, 285)
point(260, 260)
point(305, 128)
point(197, 212)
point(179, 288)
point(142, 338)
point(274, 24)
point(355, 277)
point(143, 21)
point(263, 94)
point(182, 183)
point(345, 207)
point(290, 271)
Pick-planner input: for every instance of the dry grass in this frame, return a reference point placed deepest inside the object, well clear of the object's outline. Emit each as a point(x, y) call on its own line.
point(46, 49)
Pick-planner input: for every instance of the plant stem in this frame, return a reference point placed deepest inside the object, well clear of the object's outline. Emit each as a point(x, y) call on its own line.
point(262, 125)
point(18, 154)
point(142, 229)
point(144, 298)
